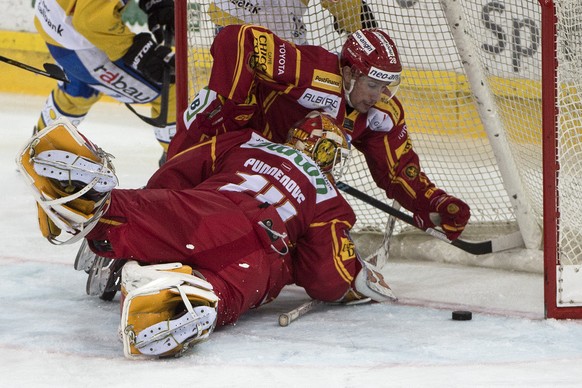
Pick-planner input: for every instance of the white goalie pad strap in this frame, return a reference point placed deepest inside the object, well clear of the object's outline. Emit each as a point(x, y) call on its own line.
point(53, 146)
point(165, 336)
point(69, 220)
point(135, 276)
point(370, 282)
point(67, 167)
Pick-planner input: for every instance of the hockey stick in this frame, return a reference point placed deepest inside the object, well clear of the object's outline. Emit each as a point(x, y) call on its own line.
point(161, 120)
point(285, 319)
point(50, 69)
point(498, 244)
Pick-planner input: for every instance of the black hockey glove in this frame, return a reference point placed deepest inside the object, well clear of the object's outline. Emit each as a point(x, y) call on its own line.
point(160, 16)
point(149, 58)
point(366, 17)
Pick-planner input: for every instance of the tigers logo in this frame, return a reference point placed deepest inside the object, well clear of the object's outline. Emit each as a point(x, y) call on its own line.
point(347, 249)
point(411, 171)
point(452, 209)
point(243, 117)
point(324, 154)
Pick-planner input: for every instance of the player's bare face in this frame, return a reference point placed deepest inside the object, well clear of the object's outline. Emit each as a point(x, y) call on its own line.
point(367, 93)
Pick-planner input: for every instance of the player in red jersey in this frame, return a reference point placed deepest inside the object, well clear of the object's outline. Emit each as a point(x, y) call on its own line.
point(252, 217)
point(267, 83)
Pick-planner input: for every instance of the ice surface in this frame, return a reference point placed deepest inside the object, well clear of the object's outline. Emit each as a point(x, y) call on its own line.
point(53, 335)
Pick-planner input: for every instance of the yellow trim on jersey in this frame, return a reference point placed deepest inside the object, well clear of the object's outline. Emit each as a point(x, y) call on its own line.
point(240, 56)
point(104, 220)
point(391, 166)
point(271, 98)
point(211, 142)
point(267, 133)
point(337, 248)
point(394, 110)
point(297, 67)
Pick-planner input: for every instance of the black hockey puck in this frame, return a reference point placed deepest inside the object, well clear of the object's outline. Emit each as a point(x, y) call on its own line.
point(462, 315)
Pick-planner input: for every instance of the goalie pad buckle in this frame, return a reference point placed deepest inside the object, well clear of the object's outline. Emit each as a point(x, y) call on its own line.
point(166, 309)
point(70, 178)
point(74, 171)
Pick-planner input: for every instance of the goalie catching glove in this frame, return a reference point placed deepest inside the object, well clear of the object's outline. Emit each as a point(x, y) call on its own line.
point(165, 309)
point(71, 180)
point(452, 215)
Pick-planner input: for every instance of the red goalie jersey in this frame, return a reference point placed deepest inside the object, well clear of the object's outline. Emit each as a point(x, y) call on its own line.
point(266, 83)
point(282, 219)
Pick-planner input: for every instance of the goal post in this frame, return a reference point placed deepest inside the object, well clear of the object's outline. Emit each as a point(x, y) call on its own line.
point(562, 162)
point(491, 91)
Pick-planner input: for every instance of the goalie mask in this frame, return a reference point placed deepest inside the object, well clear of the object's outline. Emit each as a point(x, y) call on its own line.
point(372, 53)
point(71, 180)
point(319, 137)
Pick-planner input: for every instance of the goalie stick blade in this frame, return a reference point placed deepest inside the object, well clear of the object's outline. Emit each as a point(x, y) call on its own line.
point(497, 244)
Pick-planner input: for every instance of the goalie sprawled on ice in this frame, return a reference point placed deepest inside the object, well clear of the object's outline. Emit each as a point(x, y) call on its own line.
point(203, 245)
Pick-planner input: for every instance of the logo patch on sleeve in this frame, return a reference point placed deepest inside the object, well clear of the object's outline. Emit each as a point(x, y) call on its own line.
point(411, 171)
point(347, 249)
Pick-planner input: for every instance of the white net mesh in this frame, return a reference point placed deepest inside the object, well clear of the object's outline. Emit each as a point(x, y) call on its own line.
point(447, 83)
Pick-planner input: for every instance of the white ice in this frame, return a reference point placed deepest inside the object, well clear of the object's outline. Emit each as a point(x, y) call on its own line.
point(53, 335)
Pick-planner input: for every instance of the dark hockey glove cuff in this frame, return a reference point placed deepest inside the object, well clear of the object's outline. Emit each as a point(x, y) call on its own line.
point(366, 17)
point(160, 16)
point(149, 58)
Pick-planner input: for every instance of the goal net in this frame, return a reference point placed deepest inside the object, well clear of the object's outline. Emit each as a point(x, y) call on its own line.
point(490, 90)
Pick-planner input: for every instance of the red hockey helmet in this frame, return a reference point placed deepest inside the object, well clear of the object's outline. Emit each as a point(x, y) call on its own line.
point(373, 53)
point(322, 139)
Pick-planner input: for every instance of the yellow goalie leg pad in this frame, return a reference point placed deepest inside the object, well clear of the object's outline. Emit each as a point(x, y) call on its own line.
point(63, 206)
point(166, 309)
point(47, 227)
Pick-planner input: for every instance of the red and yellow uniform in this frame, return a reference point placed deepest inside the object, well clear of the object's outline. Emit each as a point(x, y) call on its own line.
point(267, 83)
point(248, 214)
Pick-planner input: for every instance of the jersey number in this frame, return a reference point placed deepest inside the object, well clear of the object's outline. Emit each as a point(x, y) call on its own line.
point(264, 192)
